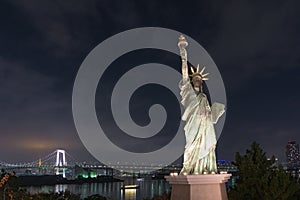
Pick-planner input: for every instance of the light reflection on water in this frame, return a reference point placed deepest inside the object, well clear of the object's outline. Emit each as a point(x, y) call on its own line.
point(129, 194)
point(147, 189)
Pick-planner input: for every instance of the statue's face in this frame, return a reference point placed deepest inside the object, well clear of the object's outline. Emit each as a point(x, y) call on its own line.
point(197, 81)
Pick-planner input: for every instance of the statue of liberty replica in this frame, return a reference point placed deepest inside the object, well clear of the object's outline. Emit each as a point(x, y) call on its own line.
point(200, 117)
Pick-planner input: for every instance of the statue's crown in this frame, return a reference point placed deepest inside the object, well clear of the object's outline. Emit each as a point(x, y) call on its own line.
point(199, 73)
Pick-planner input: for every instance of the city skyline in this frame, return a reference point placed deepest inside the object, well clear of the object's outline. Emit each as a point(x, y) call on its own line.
point(255, 46)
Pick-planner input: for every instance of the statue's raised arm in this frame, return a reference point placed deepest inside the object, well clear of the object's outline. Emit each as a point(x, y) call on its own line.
point(182, 44)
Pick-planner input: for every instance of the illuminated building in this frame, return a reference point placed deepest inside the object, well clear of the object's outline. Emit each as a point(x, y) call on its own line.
point(292, 154)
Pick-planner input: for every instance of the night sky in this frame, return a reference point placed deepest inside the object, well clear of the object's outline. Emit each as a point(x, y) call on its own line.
point(256, 46)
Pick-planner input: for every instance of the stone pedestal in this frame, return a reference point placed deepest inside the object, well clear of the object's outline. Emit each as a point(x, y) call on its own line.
point(199, 187)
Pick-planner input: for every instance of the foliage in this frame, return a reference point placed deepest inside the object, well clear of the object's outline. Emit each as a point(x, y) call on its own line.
point(258, 178)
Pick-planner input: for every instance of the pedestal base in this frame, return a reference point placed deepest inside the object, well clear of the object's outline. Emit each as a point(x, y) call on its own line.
point(199, 187)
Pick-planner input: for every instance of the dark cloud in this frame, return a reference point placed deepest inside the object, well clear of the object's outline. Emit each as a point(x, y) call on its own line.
point(32, 112)
point(257, 40)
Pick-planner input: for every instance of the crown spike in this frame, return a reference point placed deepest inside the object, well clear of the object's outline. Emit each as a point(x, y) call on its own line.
point(204, 79)
point(198, 68)
point(192, 69)
point(202, 70)
point(203, 75)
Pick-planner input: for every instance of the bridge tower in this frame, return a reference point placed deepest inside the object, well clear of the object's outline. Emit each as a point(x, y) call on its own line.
point(40, 162)
point(60, 162)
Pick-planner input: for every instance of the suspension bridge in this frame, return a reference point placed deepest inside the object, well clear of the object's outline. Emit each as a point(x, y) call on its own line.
point(57, 158)
point(59, 162)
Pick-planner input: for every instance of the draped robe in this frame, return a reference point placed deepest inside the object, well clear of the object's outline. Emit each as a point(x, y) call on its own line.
point(199, 154)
